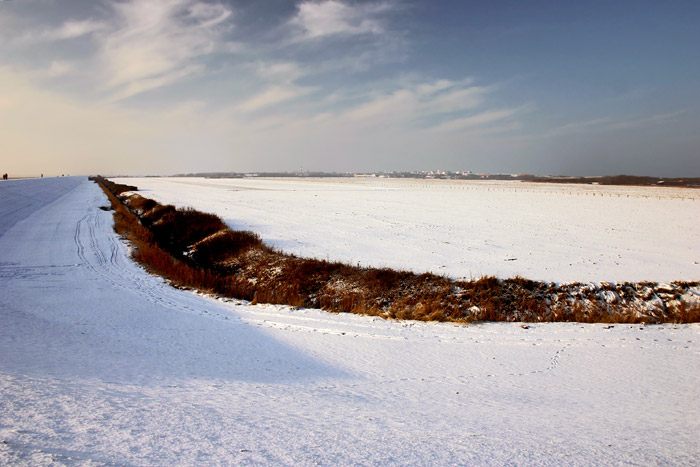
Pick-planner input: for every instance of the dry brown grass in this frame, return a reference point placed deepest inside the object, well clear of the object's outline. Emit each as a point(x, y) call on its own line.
point(197, 250)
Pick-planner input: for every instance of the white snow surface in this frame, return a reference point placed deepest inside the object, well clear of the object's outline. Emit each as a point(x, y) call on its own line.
point(461, 229)
point(104, 364)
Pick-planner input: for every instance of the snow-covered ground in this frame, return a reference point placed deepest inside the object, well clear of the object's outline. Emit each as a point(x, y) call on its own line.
point(463, 229)
point(102, 364)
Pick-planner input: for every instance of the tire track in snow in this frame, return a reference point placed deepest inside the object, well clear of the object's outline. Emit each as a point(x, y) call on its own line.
point(91, 250)
point(79, 244)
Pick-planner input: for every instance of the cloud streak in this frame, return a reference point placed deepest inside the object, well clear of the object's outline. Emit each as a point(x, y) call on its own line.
point(440, 105)
point(74, 29)
point(608, 123)
point(479, 120)
point(428, 108)
point(272, 96)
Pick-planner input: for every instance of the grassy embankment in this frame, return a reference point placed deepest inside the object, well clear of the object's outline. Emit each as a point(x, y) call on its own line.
point(197, 250)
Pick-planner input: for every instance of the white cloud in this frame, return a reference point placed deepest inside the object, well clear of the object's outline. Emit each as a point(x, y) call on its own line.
point(455, 100)
point(484, 118)
point(387, 108)
point(279, 71)
point(74, 29)
point(432, 88)
point(580, 127)
point(154, 81)
point(208, 14)
point(419, 102)
point(609, 123)
point(156, 43)
point(646, 121)
point(189, 109)
point(272, 96)
point(59, 68)
point(424, 113)
point(67, 30)
point(332, 17)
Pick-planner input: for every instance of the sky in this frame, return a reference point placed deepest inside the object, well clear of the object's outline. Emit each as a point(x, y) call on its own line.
point(180, 86)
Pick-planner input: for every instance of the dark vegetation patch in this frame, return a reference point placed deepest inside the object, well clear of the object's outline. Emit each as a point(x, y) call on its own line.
point(197, 250)
point(632, 180)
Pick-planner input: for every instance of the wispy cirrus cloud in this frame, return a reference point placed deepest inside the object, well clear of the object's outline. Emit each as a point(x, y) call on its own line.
point(608, 123)
point(421, 104)
point(59, 68)
point(74, 29)
point(582, 126)
point(651, 120)
point(130, 47)
point(481, 119)
point(272, 96)
point(283, 71)
point(154, 43)
point(276, 84)
point(430, 108)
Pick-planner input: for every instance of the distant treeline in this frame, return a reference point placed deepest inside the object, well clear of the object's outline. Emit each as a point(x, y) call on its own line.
point(622, 180)
point(416, 175)
point(692, 182)
point(264, 174)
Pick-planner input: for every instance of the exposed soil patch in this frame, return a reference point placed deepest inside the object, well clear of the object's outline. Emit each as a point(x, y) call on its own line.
point(194, 249)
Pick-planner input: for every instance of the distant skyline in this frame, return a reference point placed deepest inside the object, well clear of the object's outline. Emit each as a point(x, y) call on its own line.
point(180, 86)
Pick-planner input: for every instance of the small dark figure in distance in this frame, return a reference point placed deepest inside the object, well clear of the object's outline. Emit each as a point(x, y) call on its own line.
point(4, 176)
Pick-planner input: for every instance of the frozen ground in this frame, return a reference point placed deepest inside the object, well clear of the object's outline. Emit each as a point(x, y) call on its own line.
point(102, 364)
point(463, 229)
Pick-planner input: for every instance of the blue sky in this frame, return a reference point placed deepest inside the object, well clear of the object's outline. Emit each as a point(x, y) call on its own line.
point(162, 87)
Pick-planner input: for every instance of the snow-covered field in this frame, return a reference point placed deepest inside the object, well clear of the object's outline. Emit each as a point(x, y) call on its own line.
point(463, 229)
point(102, 364)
